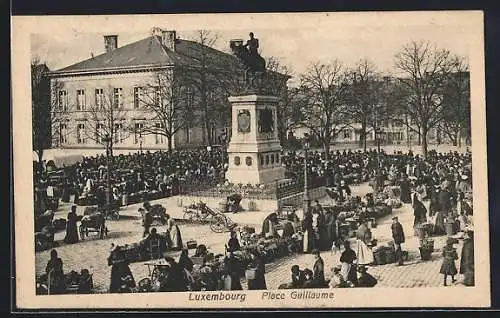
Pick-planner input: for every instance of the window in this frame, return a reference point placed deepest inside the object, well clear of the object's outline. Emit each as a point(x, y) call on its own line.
point(99, 133)
point(99, 98)
point(80, 133)
point(63, 133)
point(158, 96)
point(118, 133)
point(189, 96)
point(80, 99)
point(138, 132)
point(211, 94)
point(137, 97)
point(63, 100)
point(347, 134)
point(159, 138)
point(118, 98)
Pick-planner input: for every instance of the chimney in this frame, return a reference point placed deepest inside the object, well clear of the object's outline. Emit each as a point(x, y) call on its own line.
point(168, 39)
point(110, 42)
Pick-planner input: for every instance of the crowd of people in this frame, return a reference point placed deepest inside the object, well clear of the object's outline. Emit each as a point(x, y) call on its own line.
point(163, 172)
point(437, 187)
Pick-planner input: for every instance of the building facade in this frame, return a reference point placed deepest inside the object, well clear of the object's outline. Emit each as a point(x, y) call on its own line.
point(106, 95)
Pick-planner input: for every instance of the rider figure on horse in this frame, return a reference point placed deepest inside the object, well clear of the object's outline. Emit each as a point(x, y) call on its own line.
point(252, 45)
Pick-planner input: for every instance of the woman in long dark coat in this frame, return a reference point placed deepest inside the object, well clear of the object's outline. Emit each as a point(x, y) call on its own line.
point(71, 228)
point(259, 282)
point(233, 270)
point(331, 228)
point(419, 211)
point(184, 261)
point(434, 203)
point(307, 227)
point(55, 274)
point(439, 227)
point(323, 232)
point(404, 184)
point(444, 199)
point(119, 271)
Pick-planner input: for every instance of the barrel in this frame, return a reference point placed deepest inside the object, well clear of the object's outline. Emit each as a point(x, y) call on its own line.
point(252, 206)
point(223, 207)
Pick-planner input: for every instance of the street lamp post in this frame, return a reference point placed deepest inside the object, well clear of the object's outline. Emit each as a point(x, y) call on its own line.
point(307, 201)
point(107, 140)
point(377, 138)
point(140, 142)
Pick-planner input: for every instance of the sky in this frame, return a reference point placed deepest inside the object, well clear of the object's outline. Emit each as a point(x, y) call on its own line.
point(295, 46)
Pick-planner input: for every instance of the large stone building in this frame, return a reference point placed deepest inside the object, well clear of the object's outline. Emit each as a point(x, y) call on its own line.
point(119, 78)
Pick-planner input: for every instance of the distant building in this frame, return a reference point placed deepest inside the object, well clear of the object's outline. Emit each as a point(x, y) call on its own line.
point(400, 130)
point(120, 75)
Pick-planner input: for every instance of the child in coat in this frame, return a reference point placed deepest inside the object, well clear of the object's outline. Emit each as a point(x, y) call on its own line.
point(449, 257)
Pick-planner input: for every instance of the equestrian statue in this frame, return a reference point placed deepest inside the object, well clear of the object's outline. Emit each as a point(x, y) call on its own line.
point(255, 65)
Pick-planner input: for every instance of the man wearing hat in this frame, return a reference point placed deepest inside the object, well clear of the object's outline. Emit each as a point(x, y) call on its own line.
point(147, 221)
point(398, 236)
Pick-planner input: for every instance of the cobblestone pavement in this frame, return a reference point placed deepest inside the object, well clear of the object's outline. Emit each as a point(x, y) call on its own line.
point(92, 253)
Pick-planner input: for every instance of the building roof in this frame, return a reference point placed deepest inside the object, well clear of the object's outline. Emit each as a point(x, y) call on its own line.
point(150, 52)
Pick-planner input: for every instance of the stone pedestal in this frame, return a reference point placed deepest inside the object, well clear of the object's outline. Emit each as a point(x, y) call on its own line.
point(254, 149)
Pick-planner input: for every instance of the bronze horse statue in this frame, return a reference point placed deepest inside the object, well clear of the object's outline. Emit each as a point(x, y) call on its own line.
point(254, 64)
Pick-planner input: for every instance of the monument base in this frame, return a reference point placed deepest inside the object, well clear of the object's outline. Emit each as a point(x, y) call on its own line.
point(248, 176)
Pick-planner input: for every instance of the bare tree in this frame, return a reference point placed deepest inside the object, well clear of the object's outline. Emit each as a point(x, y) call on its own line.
point(49, 112)
point(425, 73)
point(456, 121)
point(279, 74)
point(365, 97)
point(324, 91)
point(204, 78)
point(106, 117)
point(167, 101)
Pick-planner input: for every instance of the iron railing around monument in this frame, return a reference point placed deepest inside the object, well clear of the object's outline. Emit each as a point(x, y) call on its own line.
point(273, 191)
point(290, 187)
